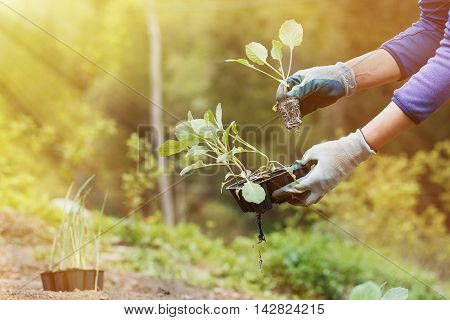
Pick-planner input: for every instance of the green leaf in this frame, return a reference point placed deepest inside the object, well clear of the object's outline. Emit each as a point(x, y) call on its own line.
point(197, 165)
point(238, 150)
point(225, 137)
point(223, 158)
point(366, 291)
point(241, 61)
point(171, 147)
point(219, 116)
point(276, 51)
point(203, 127)
point(256, 52)
point(396, 294)
point(198, 124)
point(210, 118)
point(234, 127)
point(291, 33)
point(253, 192)
point(190, 117)
point(197, 151)
point(184, 132)
point(226, 134)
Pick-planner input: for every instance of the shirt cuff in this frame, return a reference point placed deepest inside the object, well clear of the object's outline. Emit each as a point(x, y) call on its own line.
point(397, 59)
point(405, 110)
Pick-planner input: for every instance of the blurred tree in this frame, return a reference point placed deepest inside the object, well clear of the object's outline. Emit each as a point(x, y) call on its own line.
point(156, 110)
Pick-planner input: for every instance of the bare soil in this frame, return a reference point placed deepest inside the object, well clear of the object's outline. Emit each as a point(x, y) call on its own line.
point(20, 272)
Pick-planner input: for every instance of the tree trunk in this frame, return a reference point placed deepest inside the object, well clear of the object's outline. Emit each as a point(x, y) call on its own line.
point(156, 113)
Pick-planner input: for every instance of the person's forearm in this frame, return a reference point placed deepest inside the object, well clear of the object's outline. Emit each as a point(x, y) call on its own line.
point(374, 69)
point(385, 126)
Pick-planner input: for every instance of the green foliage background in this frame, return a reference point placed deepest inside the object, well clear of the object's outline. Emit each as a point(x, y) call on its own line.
point(62, 119)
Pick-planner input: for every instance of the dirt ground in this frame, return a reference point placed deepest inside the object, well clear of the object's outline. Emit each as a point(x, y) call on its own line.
point(20, 272)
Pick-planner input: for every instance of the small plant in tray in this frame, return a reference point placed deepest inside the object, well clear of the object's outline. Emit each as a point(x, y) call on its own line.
point(75, 256)
point(207, 143)
point(290, 36)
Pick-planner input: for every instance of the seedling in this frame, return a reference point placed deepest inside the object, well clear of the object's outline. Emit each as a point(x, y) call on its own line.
point(208, 143)
point(291, 36)
point(76, 247)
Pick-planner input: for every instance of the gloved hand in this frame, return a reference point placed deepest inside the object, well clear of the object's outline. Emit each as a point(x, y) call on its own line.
point(319, 87)
point(335, 162)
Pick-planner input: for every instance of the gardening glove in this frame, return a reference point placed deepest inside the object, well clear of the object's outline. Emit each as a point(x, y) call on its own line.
point(319, 87)
point(335, 161)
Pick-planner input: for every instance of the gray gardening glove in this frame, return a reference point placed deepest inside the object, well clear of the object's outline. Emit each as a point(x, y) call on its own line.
point(335, 162)
point(319, 87)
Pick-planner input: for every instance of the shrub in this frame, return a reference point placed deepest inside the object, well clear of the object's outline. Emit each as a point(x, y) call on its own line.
point(296, 264)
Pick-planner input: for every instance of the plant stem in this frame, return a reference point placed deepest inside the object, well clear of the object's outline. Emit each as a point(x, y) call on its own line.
point(290, 63)
point(210, 156)
point(267, 74)
point(236, 160)
point(282, 69)
point(276, 162)
point(242, 141)
point(278, 72)
point(214, 165)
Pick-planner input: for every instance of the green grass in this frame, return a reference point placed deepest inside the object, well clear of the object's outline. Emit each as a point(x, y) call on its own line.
point(297, 264)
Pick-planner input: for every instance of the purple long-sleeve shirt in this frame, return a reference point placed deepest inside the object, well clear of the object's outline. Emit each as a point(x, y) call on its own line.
point(423, 52)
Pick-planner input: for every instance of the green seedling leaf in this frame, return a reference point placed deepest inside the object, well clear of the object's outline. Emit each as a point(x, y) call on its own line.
point(197, 151)
point(241, 61)
point(203, 127)
point(190, 117)
point(253, 192)
point(171, 147)
point(396, 294)
point(291, 33)
point(219, 116)
point(238, 150)
point(210, 118)
point(366, 291)
point(184, 132)
point(197, 165)
point(226, 134)
point(234, 128)
point(257, 53)
point(223, 158)
point(276, 51)
point(198, 124)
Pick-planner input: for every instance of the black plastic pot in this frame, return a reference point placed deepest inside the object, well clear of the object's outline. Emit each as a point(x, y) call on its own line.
point(72, 279)
point(289, 110)
point(236, 191)
point(270, 181)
